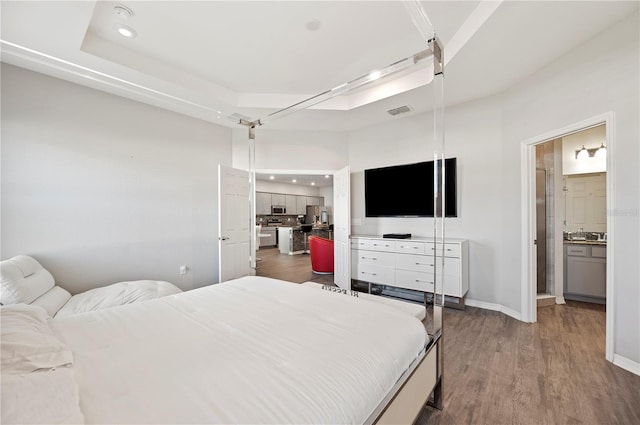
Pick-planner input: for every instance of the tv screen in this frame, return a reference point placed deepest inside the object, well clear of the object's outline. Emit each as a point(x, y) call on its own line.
point(407, 190)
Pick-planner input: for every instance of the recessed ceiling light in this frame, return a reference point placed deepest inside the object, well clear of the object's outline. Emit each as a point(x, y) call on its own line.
point(313, 183)
point(271, 177)
point(374, 75)
point(326, 176)
point(126, 31)
point(293, 181)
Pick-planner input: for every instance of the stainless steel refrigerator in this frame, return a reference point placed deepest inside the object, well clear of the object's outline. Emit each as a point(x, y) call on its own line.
point(316, 214)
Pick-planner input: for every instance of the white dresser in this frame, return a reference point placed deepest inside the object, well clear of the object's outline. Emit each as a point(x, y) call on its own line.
point(409, 263)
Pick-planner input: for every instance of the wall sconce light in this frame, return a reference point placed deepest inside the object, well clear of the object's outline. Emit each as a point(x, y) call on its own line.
point(599, 152)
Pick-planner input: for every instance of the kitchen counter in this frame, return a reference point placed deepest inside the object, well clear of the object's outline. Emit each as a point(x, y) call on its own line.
point(585, 242)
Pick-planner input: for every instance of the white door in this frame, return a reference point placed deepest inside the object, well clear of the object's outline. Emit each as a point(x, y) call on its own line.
point(342, 228)
point(233, 223)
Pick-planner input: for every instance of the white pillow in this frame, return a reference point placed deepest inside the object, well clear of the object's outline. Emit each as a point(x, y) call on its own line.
point(53, 300)
point(22, 280)
point(28, 344)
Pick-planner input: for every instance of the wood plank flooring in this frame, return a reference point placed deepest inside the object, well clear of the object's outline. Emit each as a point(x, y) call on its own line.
point(294, 268)
point(498, 370)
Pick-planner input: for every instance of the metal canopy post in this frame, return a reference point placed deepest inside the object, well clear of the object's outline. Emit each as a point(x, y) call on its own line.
point(439, 213)
point(253, 242)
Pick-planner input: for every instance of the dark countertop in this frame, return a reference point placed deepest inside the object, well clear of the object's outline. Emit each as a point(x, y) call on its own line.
point(579, 242)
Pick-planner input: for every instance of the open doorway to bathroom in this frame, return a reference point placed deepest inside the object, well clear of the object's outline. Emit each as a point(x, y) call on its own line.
point(571, 222)
point(594, 256)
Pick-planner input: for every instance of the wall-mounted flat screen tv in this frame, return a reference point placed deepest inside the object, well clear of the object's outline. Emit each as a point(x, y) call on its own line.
point(407, 190)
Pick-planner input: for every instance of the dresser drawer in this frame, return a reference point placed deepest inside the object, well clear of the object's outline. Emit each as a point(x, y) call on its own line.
point(379, 258)
point(450, 249)
point(414, 280)
point(409, 247)
point(419, 263)
point(360, 243)
point(382, 245)
point(425, 263)
point(374, 274)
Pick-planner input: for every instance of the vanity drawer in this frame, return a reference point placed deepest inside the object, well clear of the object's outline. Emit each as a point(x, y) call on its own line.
point(577, 251)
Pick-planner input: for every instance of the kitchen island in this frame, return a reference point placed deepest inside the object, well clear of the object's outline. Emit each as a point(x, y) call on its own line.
point(291, 239)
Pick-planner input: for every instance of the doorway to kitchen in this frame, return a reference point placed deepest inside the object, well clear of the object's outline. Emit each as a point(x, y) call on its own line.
point(304, 201)
point(562, 149)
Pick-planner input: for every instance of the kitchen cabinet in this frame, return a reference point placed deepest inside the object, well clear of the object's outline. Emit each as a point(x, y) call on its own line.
point(290, 201)
point(263, 203)
point(290, 240)
point(301, 204)
point(278, 199)
point(313, 200)
point(269, 240)
point(585, 272)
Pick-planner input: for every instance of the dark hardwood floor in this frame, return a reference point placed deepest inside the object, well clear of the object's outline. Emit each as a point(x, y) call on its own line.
point(294, 268)
point(498, 370)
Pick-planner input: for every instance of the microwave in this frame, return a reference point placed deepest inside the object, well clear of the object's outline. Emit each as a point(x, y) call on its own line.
point(278, 209)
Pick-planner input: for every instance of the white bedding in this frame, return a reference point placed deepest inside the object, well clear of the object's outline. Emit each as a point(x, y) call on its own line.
point(117, 294)
point(254, 350)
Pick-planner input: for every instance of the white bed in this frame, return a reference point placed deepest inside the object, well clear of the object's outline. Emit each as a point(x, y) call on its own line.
point(252, 350)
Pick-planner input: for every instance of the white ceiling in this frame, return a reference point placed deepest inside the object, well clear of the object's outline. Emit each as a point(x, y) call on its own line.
point(319, 180)
point(212, 59)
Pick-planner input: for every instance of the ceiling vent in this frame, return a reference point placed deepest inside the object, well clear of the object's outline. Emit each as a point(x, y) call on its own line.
point(399, 110)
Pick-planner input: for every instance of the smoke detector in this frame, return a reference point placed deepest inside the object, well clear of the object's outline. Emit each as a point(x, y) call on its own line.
point(123, 11)
point(399, 110)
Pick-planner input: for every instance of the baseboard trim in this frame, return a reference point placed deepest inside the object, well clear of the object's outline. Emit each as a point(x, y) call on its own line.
point(626, 364)
point(495, 307)
point(560, 300)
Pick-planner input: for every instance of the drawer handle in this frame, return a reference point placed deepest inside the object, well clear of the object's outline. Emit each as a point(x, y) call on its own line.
point(424, 264)
point(421, 281)
point(372, 274)
point(375, 244)
point(368, 258)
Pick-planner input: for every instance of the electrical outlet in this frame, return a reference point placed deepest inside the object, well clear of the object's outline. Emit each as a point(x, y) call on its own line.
point(183, 270)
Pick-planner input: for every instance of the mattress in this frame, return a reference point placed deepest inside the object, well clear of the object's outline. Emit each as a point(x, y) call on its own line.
point(251, 350)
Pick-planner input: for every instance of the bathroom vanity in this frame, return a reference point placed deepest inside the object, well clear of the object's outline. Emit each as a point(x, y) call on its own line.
point(585, 271)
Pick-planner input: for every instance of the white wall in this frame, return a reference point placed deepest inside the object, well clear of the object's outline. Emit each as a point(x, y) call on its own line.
point(293, 150)
point(600, 76)
point(102, 189)
point(473, 137)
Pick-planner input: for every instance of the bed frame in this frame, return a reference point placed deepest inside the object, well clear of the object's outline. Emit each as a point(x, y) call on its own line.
point(420, 385)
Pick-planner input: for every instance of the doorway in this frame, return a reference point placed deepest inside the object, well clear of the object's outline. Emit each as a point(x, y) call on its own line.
point(291, 188)
point(529, 280)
